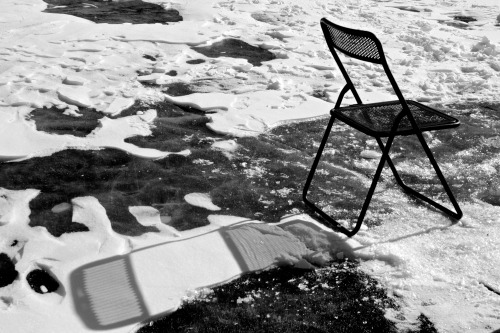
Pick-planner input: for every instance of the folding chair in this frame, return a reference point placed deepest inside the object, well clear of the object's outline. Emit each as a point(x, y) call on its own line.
point(379, 120)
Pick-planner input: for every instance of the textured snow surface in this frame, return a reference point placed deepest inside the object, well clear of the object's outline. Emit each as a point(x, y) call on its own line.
point(50, 60)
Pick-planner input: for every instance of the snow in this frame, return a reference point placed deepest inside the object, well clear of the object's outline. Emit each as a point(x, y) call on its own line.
point(444, 271)
point(202, 200)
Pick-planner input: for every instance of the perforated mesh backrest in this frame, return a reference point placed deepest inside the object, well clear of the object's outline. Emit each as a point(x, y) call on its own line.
point(359, 44)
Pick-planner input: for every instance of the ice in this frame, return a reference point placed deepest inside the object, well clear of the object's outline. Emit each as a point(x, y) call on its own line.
point(370, 154)
point(118, 105)
point(75, 80)
point(75, 96)
point(256, 112)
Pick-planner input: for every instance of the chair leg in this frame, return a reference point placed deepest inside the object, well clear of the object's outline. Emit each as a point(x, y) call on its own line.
point(458, 214)
point(376, 177)
point(349, 233)
point(317, 158)
point(311, 176)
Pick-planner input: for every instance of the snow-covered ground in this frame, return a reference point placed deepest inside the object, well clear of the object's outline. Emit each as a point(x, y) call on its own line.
point(446, 271)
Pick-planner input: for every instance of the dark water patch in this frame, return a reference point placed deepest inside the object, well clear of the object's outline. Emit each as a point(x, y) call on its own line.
point(68, 174)
point(235, 48)
point(269, 192)
point(195, 61)
point(202, 86)
point(41, 281)
point(56, 224)
point(425, 325)
point(119, 180)
point(407, 8)
point(149, 57)
point(53, 120)
point(465, 19)
point(8, 271)
point(145, 71)
point(205, 85)
point(263, 179)
point(337, 190)
point(163, 110)
point(178, 89)
point(102, 11)
point(338, 298)
point(466, 155)
point(170, 127)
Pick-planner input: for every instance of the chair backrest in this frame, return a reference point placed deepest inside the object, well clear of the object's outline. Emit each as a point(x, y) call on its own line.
point(359, 44)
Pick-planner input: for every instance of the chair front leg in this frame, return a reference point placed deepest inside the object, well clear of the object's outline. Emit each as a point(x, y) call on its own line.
point(391, 165)
point(369, 195)
point(458, 214)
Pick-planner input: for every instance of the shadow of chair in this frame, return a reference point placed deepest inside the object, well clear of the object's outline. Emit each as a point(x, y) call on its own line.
point(150, 282)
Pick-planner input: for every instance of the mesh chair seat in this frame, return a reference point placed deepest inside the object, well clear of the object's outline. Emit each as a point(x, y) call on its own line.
point(377, 119)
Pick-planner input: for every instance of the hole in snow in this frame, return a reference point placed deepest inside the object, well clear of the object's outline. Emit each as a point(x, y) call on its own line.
point(8, 271)
point(41, 281)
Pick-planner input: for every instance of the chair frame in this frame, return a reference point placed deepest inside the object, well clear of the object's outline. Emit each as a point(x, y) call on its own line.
point(385, 148)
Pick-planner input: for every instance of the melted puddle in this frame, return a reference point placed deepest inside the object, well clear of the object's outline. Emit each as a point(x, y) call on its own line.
point(100, 11)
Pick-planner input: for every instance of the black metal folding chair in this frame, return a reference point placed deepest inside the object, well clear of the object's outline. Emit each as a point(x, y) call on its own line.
point(386, 119)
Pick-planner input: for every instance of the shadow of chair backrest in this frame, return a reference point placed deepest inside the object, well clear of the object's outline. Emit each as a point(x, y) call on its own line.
point(106, 294)
point(257, 246)
point(123, 290)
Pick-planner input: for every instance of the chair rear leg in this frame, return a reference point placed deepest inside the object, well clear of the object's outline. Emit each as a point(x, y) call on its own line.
point(458, 214)
point(385, 156)
point(371, 190)
point(391, 165)
point(310, 177)
point(316, 160)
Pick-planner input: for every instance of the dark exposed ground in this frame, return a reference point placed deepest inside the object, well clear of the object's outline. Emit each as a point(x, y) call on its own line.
point(53, 120)
point(8, 271)
point(334, 299)
point(263, 180)
point(100, 11)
